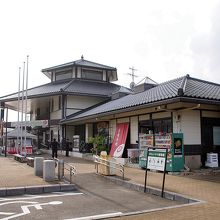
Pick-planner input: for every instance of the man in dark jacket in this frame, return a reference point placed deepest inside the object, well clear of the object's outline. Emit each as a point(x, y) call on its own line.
point(54, 146)
point(67, 147)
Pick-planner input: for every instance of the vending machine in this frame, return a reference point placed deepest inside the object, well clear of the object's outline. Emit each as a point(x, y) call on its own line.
point(175, 150)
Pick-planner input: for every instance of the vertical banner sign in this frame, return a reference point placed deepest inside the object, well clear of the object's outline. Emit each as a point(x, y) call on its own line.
point(119, 141)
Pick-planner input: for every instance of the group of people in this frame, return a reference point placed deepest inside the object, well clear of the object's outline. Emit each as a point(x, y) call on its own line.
point(65, 144)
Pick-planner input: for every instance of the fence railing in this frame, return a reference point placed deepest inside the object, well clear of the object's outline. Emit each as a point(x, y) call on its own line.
point(108, 163)
point(62, 166)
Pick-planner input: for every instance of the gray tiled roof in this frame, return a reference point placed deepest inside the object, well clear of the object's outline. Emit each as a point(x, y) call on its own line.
point(202, 89)
point(81, 62)
point(75, 86)
point(180, 87)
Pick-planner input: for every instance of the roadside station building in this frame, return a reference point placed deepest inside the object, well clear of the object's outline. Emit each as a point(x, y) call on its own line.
point(74, 87)
point(81, 100)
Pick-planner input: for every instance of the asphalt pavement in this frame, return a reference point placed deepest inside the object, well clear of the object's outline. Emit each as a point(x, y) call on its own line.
point(96, 191)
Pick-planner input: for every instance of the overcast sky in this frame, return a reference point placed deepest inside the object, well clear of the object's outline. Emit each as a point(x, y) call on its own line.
point(161, 39)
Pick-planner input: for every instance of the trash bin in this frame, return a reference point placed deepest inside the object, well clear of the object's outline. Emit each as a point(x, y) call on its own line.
point(103, 168)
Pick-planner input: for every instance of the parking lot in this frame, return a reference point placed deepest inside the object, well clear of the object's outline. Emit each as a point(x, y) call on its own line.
point(96, 197)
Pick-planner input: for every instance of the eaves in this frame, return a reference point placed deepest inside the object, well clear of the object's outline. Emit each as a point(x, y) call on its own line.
point(147, 105)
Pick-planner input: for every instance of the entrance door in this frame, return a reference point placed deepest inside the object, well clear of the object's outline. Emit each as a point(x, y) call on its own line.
point(207, 138)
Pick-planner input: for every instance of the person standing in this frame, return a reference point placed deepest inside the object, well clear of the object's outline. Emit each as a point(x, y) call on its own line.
point(63, 144)
point(67, 147)
point(54, 146)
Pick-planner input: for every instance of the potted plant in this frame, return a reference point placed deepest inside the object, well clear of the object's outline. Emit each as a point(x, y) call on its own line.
point(98, 143)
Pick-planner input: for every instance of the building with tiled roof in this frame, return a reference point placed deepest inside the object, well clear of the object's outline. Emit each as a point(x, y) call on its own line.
point(74, 86)
point(82, 101)
point(184, 105)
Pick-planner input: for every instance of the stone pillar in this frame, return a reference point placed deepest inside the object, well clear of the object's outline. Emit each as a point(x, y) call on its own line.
point(49, 170)
point(38, 166)
point(60, 169)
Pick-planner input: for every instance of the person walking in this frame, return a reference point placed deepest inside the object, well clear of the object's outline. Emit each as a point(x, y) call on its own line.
point(54, 146)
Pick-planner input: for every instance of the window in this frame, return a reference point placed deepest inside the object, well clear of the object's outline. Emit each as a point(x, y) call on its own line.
point(63, 75)
point(159, 125)
point(92, 74)
point(216, 135)
point(162, 125)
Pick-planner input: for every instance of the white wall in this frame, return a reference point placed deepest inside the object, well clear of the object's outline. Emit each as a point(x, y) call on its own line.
point(133, 129)
point(55, 115)
point(144, 117)
point(78, 72)
point(161, 115)
point(188, 122)
point(78, 103)
point(122, 120)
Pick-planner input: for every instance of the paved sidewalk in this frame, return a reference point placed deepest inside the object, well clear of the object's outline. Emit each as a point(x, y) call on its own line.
point(13, 173)
point(16, 174)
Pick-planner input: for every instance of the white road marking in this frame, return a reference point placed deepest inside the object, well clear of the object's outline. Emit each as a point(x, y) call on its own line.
point(108, 215)
point(25, 209)
point(41, 196)
point(13, 202)
point(6, 213)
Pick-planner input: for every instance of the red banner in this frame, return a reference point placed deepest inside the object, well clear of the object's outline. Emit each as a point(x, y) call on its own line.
point(119, 141)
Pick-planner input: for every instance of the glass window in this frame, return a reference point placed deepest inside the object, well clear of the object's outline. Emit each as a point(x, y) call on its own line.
point(92, 74)
point(159, 125)
point(63, 75)
point(216, 135)
point(162, 125)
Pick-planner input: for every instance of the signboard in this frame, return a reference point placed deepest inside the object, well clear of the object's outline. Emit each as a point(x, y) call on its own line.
point(178, 147)
point(36, 123)
point(119, 141)
point(156, 159)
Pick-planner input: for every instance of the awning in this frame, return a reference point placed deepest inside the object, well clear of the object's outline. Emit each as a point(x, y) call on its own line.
point(119, 141)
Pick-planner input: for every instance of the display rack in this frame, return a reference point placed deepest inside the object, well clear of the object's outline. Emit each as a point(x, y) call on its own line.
point(146, 140)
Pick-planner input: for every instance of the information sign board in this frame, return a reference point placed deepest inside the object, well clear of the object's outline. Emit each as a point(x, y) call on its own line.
point(156, 159)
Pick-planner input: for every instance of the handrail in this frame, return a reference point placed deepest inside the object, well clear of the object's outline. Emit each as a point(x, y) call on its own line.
point(98, 160)
point(72, 169)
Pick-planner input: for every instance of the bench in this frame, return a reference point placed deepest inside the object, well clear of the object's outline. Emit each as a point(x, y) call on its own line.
point(30, 161)
point(20, 158)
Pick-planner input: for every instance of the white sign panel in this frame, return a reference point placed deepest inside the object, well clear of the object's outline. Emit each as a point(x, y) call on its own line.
point(156, 159)
point(156, 163)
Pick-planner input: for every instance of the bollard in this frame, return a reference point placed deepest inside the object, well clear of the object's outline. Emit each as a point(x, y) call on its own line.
point(60, 169)
point(49, 170)
point(38, 166)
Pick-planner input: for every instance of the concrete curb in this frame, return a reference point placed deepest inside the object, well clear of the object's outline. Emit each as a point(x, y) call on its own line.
point(15, 191)
point(154, 191)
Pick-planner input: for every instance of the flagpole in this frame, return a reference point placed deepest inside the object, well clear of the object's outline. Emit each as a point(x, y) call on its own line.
point(18, 124)
point(22, 107)
point(25, 140)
